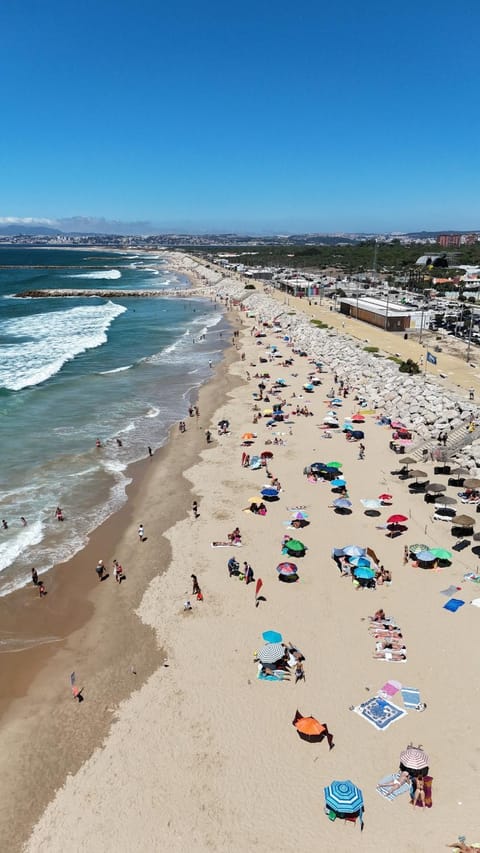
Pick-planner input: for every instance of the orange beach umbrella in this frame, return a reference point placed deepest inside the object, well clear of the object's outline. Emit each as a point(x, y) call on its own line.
point(309, 728)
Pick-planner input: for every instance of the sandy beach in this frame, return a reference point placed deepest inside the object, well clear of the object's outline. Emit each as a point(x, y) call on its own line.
point(203, 754)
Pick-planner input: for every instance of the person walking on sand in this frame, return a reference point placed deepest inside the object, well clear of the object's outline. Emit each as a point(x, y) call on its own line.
point(100, 570)
point(195, 509)
point(141, 532)
point(34, 577)
point(117, 571)
point(195, 585)
point(150, 451)
point(41, 590)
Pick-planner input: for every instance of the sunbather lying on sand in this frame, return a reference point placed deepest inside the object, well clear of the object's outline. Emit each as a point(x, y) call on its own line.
point(396, 783)
point(390, 655)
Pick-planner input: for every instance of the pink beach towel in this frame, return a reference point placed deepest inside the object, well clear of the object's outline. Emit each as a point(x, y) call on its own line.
point(390, 688)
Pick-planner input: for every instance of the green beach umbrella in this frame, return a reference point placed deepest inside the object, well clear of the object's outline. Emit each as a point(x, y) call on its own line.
point(334, 464)
point(295, 545)
point(441, 553)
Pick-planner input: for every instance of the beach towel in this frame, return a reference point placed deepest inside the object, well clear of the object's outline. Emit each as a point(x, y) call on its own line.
point(411, 697)
point(427, 787)
point(389, 689)
point(392, 793)
point(379, 712)
point(226, 544)
point(278, 676)
point(453, 605)
point(448, 592)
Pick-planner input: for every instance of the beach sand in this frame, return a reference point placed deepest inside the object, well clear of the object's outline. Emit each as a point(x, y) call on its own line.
point(90, 628)
point(204, 756)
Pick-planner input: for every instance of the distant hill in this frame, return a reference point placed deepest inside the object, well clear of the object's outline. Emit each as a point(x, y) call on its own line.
point(28, 230)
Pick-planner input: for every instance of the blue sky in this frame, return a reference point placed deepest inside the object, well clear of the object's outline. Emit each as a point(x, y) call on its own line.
point(273, 117)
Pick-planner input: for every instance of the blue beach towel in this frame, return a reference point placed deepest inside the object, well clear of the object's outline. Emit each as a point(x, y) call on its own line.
point(411, 697)
point(392, 793)
point(453, 604)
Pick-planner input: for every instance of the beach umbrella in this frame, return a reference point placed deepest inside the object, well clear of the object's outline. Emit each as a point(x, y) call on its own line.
point(446, 500)
point(300, 516)
point(311, 729)
point(364, 573)
point(334, 464)
point(224, 423)
point(319, 466)
point(358, 419)
point(414, 758)
point(459, 472)
point(385, 498)
point(287, 569)
point(338, 482)
point(397, 425)
point(295, 547)
point(330, 421)
point(308, 386)
point(408, 461)
point(266, 454)
point(463, 521)
point(269, 494)
point(371, 503)
point(425, 556)
point(248, 436)
point(342, 503)
point(255, 499)
point(280, 382)
point(357, 433)
point(268, 412)
point(397, 519)
point(353, 551)
point(344, 797)
point(436, 488)
point(337, 401)
point(271, 653)
point(416, 549)
point(441, 553)
point(472, 483)
point(418, 475)
point(347, 427)
point(360, 562)
point(272, 637)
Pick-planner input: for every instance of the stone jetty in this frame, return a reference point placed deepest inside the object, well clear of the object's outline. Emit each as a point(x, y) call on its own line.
point(109, 294)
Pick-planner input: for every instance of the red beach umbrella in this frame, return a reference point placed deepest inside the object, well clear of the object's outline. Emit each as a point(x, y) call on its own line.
point(397, 519)
point(385, 498)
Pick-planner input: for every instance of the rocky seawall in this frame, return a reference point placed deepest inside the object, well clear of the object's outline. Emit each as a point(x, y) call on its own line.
point(108, 294)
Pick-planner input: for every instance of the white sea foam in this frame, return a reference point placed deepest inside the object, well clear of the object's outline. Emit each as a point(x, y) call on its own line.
point(98, 274)
point(46, 341)
point(16, 543)
point(116, 370)
point(153, 412)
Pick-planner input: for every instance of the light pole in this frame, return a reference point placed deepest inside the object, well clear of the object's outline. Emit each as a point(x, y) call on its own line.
point(470, 334)
point(421, 324)
point(386, 309)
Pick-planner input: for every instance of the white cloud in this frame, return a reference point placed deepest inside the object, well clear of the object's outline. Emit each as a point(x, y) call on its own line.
point(26, 220)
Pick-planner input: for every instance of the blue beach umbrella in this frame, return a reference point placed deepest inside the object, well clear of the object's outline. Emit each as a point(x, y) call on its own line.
point(344, 797)
point(354, 551)
point(272, 637)
point(347, 427)
point(363, 562)
point(268, 492)
point(338, 482)
point(337, 401)
point(426, 556)
point(308, 386)
point(364, 573)
point(342, 503)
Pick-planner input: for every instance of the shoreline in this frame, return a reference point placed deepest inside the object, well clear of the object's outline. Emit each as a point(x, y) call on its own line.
point(89, 627)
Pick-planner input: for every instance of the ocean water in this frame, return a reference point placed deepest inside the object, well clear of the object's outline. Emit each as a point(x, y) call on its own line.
point(76, 369)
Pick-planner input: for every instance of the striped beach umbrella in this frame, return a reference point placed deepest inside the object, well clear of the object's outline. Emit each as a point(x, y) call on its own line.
point(413, 758)
point(271, 653)
point(415, 549)
point(287, 569)
point(343, 797)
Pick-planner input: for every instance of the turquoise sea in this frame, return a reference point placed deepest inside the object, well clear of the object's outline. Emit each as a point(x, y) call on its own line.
point(76, 369)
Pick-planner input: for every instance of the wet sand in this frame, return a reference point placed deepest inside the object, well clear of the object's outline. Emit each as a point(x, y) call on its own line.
point(88, 627)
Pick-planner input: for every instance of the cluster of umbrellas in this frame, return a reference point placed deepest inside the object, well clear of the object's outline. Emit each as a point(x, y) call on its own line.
point(429, 556)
